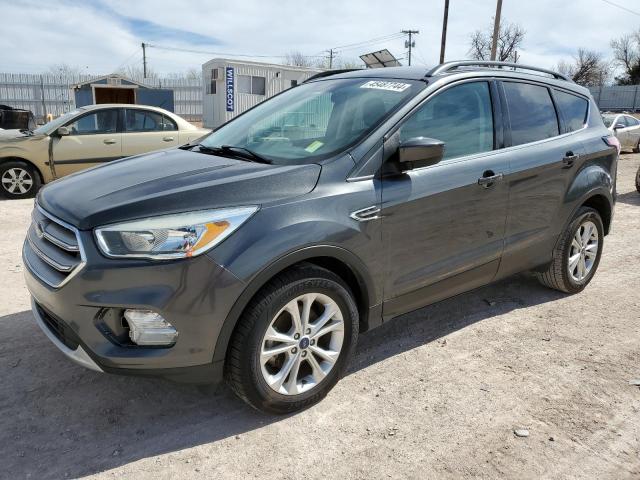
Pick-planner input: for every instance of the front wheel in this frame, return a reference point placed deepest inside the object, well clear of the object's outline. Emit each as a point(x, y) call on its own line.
point(18, 180)
point(294, 340)
point(577, 255)
point(638, 180)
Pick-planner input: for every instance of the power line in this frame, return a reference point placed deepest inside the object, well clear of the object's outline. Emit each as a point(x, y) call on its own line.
point(368, 42)
point(621, 7)
point(203, 52)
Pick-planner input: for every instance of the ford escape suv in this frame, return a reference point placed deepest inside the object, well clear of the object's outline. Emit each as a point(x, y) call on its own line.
point(260, 253)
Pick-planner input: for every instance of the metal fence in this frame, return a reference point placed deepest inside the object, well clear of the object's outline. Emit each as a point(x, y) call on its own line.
point(52, 94)
point(617, 98)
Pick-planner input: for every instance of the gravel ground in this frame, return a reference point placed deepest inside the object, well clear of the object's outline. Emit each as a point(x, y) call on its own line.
point(434, 394)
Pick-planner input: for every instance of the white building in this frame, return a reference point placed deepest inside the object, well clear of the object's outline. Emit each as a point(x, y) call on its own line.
point(232, 87)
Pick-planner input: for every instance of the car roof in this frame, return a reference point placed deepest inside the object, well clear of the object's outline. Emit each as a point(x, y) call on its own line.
point(122, 105)
point(458, 68)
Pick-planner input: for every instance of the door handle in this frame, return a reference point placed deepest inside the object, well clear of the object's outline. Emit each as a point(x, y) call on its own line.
point(569, 159)
point(488, 178)
point(109, 141)
point(167, 139)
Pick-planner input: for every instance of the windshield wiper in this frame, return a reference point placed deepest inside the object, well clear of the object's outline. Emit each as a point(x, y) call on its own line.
point(236, 152)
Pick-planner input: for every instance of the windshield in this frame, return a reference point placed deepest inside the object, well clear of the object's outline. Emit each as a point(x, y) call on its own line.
point(608, 120)
point(314, 120)
point(47, 128)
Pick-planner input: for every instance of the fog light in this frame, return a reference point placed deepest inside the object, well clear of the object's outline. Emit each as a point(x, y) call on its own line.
point(149, 328)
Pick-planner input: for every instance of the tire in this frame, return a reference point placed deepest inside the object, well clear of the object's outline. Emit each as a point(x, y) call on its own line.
point(256, 381)
point(18, 180)
point(638, 180)
point(562, 276)
point(636, 149)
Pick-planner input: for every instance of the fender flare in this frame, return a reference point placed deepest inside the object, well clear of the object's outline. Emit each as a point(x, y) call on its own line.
point(260, 279)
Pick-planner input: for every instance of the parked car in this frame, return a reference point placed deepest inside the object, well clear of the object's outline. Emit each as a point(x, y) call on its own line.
point(261, 257)
point(626, 128)
point(83, 138)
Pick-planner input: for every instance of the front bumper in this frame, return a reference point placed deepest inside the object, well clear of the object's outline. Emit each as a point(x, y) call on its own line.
point(194, 295)
point(77, 355)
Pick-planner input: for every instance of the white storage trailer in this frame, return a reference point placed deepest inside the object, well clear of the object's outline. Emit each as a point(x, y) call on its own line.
point(232, 87)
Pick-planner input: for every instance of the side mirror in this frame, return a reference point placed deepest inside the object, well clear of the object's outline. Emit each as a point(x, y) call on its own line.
point(420, 152)
point(618, 126)
point(63, 131)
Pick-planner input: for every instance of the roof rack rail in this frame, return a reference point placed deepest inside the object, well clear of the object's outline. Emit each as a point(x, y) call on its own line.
point(328, 73)
point(446, 67)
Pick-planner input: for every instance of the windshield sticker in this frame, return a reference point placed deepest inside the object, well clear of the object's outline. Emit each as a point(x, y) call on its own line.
point(313, 146)
point(391, 86)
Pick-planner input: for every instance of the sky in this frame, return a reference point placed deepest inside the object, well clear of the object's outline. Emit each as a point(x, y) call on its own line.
point(102, 36)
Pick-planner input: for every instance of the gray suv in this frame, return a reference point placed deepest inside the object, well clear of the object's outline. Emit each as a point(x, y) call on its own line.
point(259, 253)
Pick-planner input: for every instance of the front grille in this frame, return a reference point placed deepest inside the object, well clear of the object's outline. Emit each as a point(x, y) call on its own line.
point(52, 250)
point(60, 329)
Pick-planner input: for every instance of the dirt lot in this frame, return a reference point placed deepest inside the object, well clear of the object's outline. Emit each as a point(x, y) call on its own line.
point(435, 394)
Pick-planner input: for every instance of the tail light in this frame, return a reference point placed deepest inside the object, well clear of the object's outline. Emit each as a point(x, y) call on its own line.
point(612, 141)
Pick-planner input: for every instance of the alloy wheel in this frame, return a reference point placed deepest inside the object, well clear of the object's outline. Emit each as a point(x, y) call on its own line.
point(302, 344)
point(17, 181)
point(584, 251)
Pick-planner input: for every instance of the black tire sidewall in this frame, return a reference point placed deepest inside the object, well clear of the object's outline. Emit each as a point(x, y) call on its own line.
point(259, 392)
point(583, 215)
point(35, 176)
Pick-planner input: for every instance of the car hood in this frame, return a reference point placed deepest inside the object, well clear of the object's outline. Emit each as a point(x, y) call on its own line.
point(14, 135)
point(170, 181)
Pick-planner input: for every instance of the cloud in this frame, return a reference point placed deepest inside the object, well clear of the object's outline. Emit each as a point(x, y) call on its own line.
point(101, 35)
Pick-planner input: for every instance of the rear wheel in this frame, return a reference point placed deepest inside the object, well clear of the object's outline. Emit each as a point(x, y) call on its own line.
point(294, 340)
point(577, 254)
point(638, 180)
point(18, 180)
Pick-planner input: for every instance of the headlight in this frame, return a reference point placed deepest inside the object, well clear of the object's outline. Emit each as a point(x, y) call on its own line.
point(171, 236)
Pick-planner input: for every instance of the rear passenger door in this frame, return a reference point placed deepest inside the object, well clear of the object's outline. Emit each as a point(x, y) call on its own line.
point(544, 150)
point(146, 131)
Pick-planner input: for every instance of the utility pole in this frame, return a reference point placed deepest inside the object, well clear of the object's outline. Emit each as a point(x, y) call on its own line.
point(443, 42)
point(410, 43)
point(496, 30)
point(144, 60)
point(330, 58)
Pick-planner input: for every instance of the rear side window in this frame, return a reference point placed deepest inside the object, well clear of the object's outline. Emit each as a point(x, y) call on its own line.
point(460, 116)
point(531, 111)
point(632, 122)
point(147, 121)
point(573, 110)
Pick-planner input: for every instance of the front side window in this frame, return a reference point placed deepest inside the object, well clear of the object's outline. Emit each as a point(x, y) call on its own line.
point(146, 121)
point(103, 121)
point(531, 111)
point(315, 120)
point(573, 108)
point(460, 116)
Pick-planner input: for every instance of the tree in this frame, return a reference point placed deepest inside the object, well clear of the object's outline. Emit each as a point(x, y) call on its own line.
point(136, 72)
point(297, 59)
point(510, 37)
point(626, 54)
point(65, 70)
point(587, 68)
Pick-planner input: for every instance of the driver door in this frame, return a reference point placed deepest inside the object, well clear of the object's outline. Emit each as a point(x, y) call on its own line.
point(94, 138)
point(444, 225)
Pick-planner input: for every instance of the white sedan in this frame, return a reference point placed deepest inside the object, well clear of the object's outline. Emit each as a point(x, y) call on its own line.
point(626, 128)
